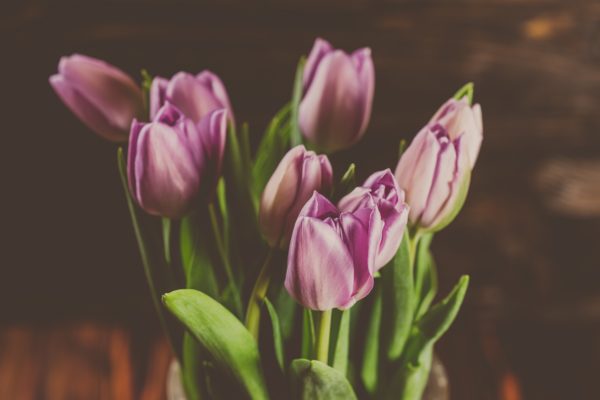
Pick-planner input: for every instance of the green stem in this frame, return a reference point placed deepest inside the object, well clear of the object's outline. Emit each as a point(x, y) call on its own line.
point(258, 294)
point(224, 256)
point(166, 224)
point(322, 346)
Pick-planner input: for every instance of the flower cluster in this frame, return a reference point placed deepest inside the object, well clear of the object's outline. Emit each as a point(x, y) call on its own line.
point(230, 216)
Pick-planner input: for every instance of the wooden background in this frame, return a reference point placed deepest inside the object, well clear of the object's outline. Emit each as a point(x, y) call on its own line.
point(75, 316)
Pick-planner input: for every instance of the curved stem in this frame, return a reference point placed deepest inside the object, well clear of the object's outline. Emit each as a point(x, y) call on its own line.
point(322, 345)
point(223, 254)
point(258, 294)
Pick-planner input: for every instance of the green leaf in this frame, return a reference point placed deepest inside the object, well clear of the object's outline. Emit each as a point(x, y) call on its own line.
point(429, 282)
point(466, 91)
point(152, 259)
point(286, 309)
point(410, 380)
point(295, 135)
point(342, 343)
point(369, 372)
point(195, 243)
point(273, 146)
point(308, 334)
point(314, 380)
point(399, 299)
point(463, 190)
point(222, 334)
point(277, 339)
point(439, 318)
point(192, 371)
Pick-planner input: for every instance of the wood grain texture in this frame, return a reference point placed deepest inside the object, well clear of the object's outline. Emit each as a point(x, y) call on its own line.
point(527, 235)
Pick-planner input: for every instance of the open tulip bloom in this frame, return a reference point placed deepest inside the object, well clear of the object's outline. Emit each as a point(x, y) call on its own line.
point(266, 259)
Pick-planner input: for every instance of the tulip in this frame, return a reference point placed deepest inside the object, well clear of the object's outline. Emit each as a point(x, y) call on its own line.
point(337, 96)
point(172, 160)
point(297, 176)
point(99, 94)
point(195, 96)
point(332, 255)
point(435, 169)
point(381, 190)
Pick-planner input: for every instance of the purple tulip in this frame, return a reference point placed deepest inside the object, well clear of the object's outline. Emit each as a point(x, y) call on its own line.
point(172, 161)
point(437, 164)
point(299, 173)
point(195, 96)
point(332, 255)
point(381, 190)
point(337, 96)
point(100, 95)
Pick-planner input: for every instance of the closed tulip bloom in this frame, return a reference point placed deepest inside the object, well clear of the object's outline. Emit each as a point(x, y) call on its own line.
point(297, 176)
point(195, 96)
point(435, 167)
point(337, 96)
point(100, 95)
point(172, 160)
point(381, 190)
point(332, 255)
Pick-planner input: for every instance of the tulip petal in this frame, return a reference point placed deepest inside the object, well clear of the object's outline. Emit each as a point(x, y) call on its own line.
point(109, 89)
point(320, 272)
point(320, 48)
point(216, 86)
point(191, 97)
point(165, 173)
point(366, 75)
point(416, 170)
point(158, 93)
point(86, 111)
point(331, 112)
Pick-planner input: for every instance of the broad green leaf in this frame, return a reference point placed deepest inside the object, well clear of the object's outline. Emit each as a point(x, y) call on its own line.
point(399, 299)
point(152, 259)
point(369, 372)
point(308, 334)
point(277, 339)
point(273, 146)
point(286, 309)
point(295, 135)
point(314, 380)
point(229, 343)
point(195, 242)
point(410, 380)
point(192, 370)
point(439, 318)
point(466, 91)
point(342, 343)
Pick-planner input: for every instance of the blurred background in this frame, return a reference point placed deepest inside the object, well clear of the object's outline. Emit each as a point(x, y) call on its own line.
point(76, 321)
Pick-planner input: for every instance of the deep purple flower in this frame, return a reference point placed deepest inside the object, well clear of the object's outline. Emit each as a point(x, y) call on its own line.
point(337, 96)
point(435, 168)
point(172, 160)
point(299, 173)
point(195, 96)
point(99, 94)
point(381, 190)
point(332, 255)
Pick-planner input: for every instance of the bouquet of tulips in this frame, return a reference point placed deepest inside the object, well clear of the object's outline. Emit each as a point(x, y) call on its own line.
point(272, 275)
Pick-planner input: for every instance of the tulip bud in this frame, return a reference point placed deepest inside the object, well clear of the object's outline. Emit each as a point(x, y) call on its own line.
point(297, 176)
point(381, 190)
point(337, 96)
point(435, 169)
point(332, 254)
point(100, 95)
point(195, 96)
point(171, 160)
